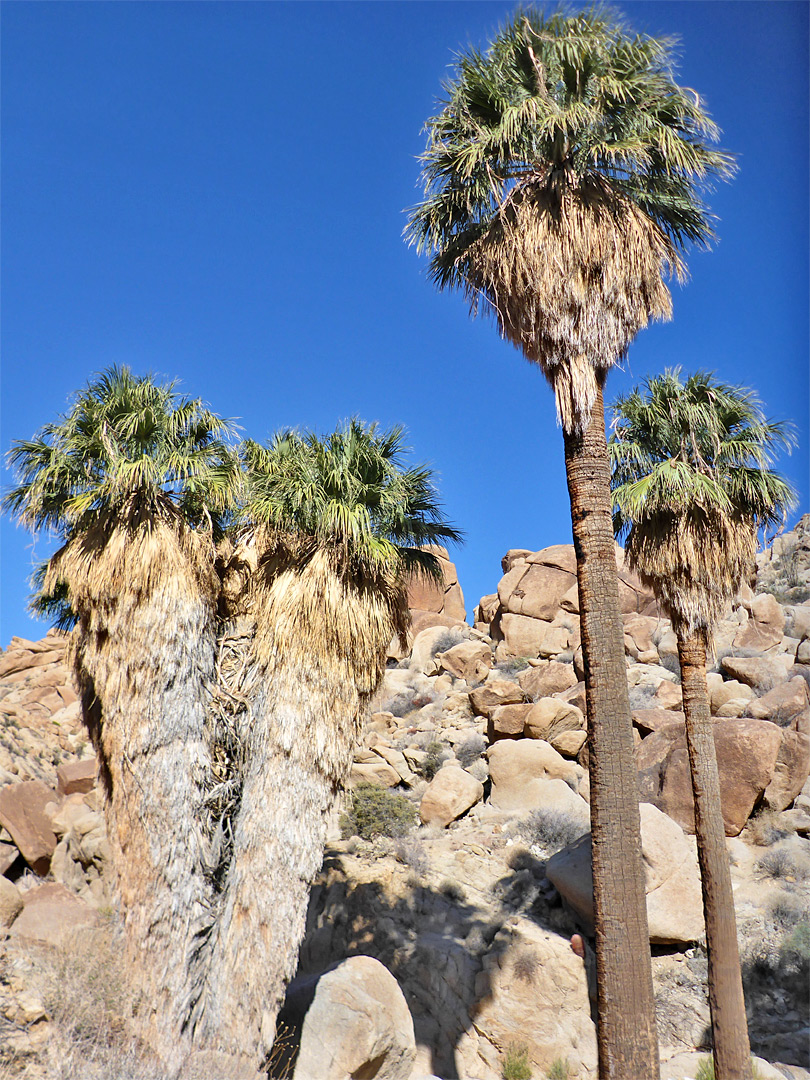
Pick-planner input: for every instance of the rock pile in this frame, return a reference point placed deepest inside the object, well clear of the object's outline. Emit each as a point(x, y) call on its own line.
point(476, 911)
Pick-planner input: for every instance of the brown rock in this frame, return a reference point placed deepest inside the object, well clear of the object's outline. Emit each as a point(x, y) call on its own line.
point(575, 695)
point(649, 720)
point(8, 856)
point(51, 912)
point(638, 641)
point(547, 678)
point(790, 772)
point(746, 759)
point(488, 607)
point(425, 620)
point(731, 690)
point(76, 776)
point(668, 696)
point(549, 717)
point(469, 660)
point(758, 672)
point(22, 812)
point(786, 705)
point(451, 793)
point(443, 597)
point(508, 721)
point(11, 903)
point(494, 692)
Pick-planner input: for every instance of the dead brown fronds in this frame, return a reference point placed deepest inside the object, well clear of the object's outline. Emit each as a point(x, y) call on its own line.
point(572, 273)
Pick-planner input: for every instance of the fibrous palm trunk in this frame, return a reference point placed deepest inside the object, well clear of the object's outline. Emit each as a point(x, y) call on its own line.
point(732, 1053)
point(626, 1033)
point(142, 665)
point(307, 707)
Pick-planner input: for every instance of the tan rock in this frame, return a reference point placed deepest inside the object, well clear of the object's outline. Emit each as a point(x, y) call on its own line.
point(357, 1025)
point(445, 597)
point(549, 717)
point(11, 903)
point(495, 691)
point(788, 704)
point(536, 591)
point(396, 759)
point(513, 557)
point(506, 721)
point(668, 696)
point(672, 880)
point(758, 672)
point(451, 793)
point(730, 690)
point(469, 660)
point(561, 556)
point(516, 767)
point(790, 772)
point(73, 776)
point(524, 636)
point(22, 812)
point(569, 743)
point(377, 772)
point(546, 678)
point(649, 720)
point(638, 638)
point(51, 913)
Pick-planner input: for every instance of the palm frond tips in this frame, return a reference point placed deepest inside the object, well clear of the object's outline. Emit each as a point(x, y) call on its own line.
point(692, 485)
point(563, 178)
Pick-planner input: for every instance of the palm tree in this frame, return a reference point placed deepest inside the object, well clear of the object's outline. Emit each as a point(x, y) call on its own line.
point(133, 480)
point(339, 525)
point(692, 486)
point(561, 183)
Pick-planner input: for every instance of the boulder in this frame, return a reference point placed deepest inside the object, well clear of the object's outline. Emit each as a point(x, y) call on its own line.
point(507, 721)
point(724, 692)
point(746, 751)
point(525, 636)
point(638, 638)
point(517, 769)
point(787, 705)
point(668, 696)
point(22, 812)
point(374, 772)
point(672, 879)
point(569, 743)
point(790, 772)
point(495, 691)
point(76, 776)
point(546, 678)
point(759, 672)
point(549, 717)
point(426, 644)
point(451, 793)
point(649, 720)
point(534, 590)
point(51, 913)
point(11, 903)
point(439, 597)
point(765, 627)
point(469, 660)
point(357, 1025)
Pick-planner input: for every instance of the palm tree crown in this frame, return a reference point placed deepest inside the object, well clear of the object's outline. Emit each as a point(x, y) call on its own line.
point(562, 179)
point(348, 494)
point(692, 485)
point(129, 450)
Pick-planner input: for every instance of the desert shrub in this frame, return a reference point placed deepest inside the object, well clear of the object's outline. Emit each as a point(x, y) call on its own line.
point(512, 665)
point(786, 910)
point(515, 1064)
point(471, 750)
point(794, 952)
point(446, 641)
point(781, 862)
point(411, 852)
point(764, 829)
point(526, 965)
point(705, 1070)
point(432, 761)
point(451, 891)
point(551, 829)
point(374, 811)
point(559, 1070)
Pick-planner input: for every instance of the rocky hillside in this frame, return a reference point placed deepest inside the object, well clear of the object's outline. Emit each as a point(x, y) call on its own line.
point(461, 858)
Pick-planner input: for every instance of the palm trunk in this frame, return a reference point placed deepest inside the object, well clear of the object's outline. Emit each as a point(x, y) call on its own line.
point(732, 1052)
point(626, 1032)
point(278, 849)
point(143, 693)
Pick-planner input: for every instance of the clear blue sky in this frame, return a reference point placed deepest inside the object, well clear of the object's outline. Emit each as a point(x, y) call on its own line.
point(215, 192)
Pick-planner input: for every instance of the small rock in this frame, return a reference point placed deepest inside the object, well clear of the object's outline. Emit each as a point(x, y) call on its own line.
point(450, 794)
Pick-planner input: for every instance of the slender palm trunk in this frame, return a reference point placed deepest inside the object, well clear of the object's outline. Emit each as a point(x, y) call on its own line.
point(143, 692)
point(626, 1032)
point(732, 1052)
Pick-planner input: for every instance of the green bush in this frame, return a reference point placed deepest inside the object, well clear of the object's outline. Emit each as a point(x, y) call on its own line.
point(516, 1063)
point(559, 1070)
point(374, 811)
point(705, 1070)
point(433, 760)
point(794, 951)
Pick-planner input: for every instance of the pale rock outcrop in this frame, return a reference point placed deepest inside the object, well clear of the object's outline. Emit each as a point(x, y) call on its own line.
point(517, 769)
point(451, 793)
point(469, 660)
point(545, 678)
point(358, 1025)
point(674, 905)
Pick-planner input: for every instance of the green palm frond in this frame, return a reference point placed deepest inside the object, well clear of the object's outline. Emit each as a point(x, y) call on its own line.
point(566, 156)
point(348, 493)
point(692, 484)
point(129, 451)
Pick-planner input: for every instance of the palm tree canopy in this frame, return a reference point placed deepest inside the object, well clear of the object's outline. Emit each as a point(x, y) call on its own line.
point(349, 494)
point(129, 450)
point(562, 178)
point(692, 485)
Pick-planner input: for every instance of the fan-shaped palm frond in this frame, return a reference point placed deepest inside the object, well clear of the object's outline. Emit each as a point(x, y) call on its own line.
point(692, 485)
point(563, 176)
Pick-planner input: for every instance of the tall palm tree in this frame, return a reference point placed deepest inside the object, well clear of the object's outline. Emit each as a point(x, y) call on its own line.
point(339, 524)
point(692, 486)
point(133, 480)
point(561, 183)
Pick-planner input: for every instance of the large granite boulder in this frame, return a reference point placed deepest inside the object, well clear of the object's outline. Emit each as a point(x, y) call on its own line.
point(451, 793)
